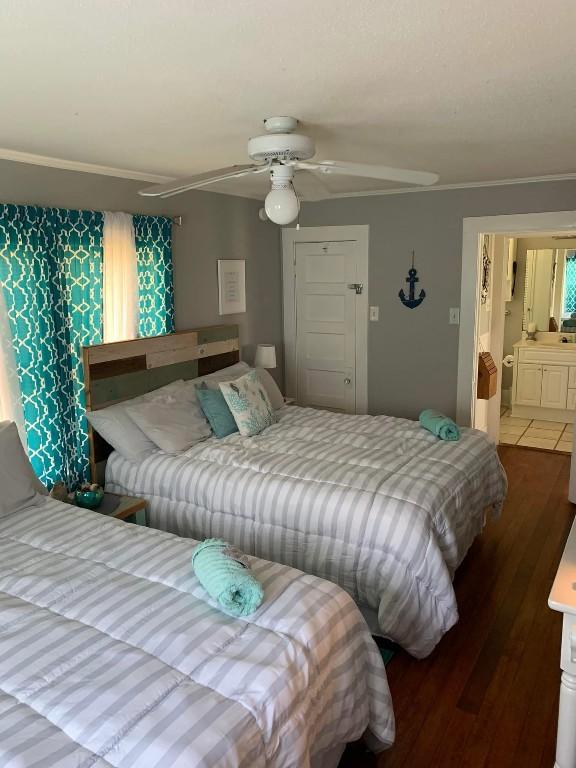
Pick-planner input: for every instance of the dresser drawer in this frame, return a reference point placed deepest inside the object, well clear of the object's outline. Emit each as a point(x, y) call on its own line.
point(547, 355)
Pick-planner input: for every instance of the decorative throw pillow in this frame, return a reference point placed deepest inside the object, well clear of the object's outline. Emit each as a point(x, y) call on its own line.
point(216, 410)
point(249, 403)
point(20, 486)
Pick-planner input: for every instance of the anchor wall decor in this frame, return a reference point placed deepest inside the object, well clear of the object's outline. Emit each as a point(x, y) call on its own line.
point(411, 301)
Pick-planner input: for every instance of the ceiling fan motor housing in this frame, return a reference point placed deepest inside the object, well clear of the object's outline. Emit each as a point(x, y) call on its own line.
point(281, 147)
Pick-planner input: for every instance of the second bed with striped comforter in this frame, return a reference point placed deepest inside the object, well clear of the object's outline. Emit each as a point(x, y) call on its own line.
point(373, 503)
point(111, 656)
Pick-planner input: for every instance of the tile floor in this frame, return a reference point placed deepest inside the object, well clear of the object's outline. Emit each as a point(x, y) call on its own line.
point(532, 433)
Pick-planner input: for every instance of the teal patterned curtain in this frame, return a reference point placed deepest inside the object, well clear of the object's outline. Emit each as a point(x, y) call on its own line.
point(51, 272)
point(155, 278)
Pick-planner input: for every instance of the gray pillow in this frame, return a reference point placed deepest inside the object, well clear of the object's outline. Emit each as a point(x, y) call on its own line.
point(275, 396)
point(19, 486)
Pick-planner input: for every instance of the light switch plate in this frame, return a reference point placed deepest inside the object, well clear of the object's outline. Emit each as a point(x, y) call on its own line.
point(454, 316)
point(374, 313)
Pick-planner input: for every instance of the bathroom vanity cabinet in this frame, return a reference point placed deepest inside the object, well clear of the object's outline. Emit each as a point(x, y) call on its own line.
point(544, 385)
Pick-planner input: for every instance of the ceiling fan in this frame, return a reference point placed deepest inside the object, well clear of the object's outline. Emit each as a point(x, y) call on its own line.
point(281, 153)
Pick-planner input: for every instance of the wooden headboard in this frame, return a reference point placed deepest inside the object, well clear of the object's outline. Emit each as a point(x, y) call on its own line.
point(125, 369)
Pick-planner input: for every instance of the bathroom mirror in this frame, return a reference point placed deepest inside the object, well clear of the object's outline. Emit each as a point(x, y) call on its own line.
point(549, 289)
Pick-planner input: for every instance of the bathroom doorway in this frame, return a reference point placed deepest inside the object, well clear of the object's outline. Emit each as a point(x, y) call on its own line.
point(526, 320)
point(538, 373)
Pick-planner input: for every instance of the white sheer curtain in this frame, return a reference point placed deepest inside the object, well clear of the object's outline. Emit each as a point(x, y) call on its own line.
point(120, 278)
point(10, 395)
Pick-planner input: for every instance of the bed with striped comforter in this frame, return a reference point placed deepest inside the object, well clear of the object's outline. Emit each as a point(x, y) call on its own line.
point(110, 656)
point(374, 503)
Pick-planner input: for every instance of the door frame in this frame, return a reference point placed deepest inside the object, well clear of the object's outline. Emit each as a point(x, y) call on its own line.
point(517, 225)
point(498, 255)
point(358, 233)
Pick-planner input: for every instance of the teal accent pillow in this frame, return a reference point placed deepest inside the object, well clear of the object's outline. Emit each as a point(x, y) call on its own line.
point(216, 410)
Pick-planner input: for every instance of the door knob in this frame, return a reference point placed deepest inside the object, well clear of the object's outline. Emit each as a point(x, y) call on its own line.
point(347, 381)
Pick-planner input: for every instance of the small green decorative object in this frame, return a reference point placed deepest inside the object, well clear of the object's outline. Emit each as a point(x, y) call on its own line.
point(89, 498)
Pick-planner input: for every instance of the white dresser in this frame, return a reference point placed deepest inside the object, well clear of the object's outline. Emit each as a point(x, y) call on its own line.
point(563, 599)
point(544, 385)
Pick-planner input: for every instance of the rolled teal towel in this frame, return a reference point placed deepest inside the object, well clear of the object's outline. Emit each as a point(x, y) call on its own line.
point(440, 425)
point(224, 572)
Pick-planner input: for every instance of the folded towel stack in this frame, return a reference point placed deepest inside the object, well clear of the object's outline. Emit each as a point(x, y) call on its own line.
point(439, 424)
point(224, 572)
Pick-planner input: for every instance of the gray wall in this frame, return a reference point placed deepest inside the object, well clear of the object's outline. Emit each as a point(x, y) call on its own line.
point(214, 227)
point(413, 353)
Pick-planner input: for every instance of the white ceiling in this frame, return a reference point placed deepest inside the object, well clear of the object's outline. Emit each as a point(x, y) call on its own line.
point(476, 90)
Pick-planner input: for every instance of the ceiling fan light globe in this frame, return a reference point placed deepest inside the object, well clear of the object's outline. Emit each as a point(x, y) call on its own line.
point(282, 206)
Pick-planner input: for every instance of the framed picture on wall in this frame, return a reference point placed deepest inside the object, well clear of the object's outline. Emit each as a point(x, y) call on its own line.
point(231, 286)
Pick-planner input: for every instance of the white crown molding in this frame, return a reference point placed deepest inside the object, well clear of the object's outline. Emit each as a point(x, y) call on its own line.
point(122, 173)
point(76, 165)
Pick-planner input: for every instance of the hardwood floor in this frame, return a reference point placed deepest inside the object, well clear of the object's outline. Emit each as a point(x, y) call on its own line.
point(488, 695)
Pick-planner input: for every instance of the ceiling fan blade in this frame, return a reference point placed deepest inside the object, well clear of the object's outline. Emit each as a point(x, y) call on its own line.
point(308, 186)
point(200, 180)
point(369, 171)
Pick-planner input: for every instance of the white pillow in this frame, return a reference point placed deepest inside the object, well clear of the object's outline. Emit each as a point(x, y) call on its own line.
point(275, 396)
point(20, 488)
point(249, 404)
point(174, 425)
point(121, 432)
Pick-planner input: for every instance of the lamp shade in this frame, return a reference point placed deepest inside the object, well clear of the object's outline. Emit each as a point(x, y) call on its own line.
point(265, 356)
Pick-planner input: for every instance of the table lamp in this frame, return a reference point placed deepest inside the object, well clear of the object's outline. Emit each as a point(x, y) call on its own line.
point(265, 356)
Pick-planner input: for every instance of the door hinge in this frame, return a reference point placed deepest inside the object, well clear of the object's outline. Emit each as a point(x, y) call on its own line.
point(358, 287)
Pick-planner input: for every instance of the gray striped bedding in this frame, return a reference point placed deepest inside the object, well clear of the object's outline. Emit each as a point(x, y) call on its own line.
point(111, 656)
point(374, 503)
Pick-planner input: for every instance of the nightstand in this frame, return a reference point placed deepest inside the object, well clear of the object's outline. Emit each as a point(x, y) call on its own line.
point(131, 509)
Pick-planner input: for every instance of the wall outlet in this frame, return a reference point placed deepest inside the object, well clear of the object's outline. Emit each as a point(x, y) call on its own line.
point(374, 313)
point(454, 318)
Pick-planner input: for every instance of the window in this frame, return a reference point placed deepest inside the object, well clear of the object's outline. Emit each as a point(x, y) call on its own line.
point(569, 301)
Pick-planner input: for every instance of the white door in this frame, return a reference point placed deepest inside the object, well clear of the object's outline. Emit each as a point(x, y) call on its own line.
point(554, 386)
point(529, 384)
point(491, 333)
point(326, 324)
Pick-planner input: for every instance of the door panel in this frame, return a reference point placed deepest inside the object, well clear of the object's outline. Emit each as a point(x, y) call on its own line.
point(554, 386)
point(571, 399)
point(326, 325)
point(529, 385)
point(325, 347)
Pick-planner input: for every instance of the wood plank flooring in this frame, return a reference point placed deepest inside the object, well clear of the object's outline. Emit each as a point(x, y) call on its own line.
point(488, 695)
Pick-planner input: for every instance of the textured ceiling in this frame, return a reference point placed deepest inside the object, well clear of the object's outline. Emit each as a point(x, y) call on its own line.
point(476, 90)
